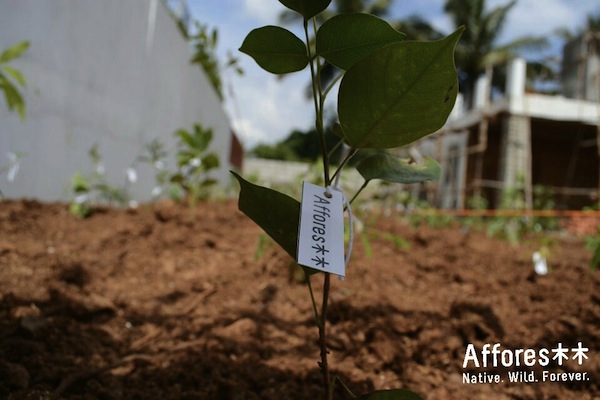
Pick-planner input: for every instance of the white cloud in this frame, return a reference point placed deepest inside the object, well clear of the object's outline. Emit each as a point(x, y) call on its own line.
point(266, 109)
point(536, 18)
point(266, 12)
point(248, 132)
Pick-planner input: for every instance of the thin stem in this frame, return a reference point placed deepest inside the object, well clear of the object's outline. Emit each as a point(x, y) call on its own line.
point(332, 84)
point(312, 298)
point(337, 146)
point(318, 102)
point(323, 338)
point(364, 185)
point(344, 162)
point(341, 382)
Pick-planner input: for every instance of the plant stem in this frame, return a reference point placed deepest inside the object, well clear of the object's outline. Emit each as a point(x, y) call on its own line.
point(364, 185)
point(318, 102)
point(323, 365)
point(332, 84)
point(351, 153)
point(312, 298)
point(337, 146)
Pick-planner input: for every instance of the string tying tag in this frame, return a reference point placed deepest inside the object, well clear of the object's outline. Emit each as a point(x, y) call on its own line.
point(350, 233)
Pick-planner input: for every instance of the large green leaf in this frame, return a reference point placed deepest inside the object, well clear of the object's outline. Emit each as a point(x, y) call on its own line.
point(347, 38)
point(394, 394)
point(276, 213)
point(13, 51)
point(276, 49)
point(399, 93)
point(306, 8)
point(394, 169)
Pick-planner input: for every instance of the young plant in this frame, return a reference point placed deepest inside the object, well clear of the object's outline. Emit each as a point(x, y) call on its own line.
point(194, 163)
point(93, 189)
point(391, 93)
point(156, 156)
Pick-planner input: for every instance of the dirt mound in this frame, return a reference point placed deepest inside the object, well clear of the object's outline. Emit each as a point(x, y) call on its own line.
point(165, 302)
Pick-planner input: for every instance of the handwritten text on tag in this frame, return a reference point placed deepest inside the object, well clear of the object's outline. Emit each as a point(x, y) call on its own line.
point(321, 230)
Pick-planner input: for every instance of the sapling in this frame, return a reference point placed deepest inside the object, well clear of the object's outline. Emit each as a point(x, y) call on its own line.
point(194, 162)
point(92, 189)
point(155, 155)
point(391, 93)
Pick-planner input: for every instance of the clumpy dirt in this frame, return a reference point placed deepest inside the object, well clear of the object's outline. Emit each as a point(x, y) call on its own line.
point(167, 302)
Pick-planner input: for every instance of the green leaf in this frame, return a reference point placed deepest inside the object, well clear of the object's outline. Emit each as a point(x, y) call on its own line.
point(395, 394)
point(177, 178)
point(80, 184)
point(185, 137)
point(202, 138)
point(209, 182)
point(276, 49)
point(184, 158)
point(210, 161)
point(347, 38)
point(13, 51)
point(306, 8)
point(399, 93)
point(276, 213)
point(394, 169)
point(14, 74)
point(13, 98)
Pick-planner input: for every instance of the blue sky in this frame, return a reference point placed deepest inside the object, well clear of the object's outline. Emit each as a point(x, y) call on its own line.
point(263, 108)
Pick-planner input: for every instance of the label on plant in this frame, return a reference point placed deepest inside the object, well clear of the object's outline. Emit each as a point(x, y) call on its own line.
point(321, 230)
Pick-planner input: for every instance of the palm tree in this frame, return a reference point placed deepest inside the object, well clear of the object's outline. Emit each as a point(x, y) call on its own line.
point(417, 28)
point(593, 23)
point(477, 49)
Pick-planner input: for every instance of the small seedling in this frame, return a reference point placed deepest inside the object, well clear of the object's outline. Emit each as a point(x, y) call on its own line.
point(90, 190)
point(194, 163)
point(391, 93)
point(156, 156)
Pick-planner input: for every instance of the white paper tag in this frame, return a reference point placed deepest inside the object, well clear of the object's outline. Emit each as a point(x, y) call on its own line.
point(321, 230)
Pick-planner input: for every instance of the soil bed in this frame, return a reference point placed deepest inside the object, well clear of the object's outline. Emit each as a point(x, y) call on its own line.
point(165, 302)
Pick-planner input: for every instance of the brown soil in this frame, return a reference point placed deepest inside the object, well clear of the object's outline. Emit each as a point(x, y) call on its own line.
point(165, 302)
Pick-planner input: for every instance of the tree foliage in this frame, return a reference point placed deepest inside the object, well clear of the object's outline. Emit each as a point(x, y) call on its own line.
point(205, 41)
point(479, 48)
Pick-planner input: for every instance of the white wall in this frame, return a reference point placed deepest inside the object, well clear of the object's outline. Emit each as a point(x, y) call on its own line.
point(100, 72)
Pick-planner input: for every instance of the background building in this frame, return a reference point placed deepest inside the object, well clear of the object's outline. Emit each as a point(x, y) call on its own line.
point(112, 73)
point(539, 144)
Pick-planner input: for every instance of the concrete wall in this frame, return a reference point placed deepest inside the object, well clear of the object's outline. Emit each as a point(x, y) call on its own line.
point(110, 72)
point(581, 67)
